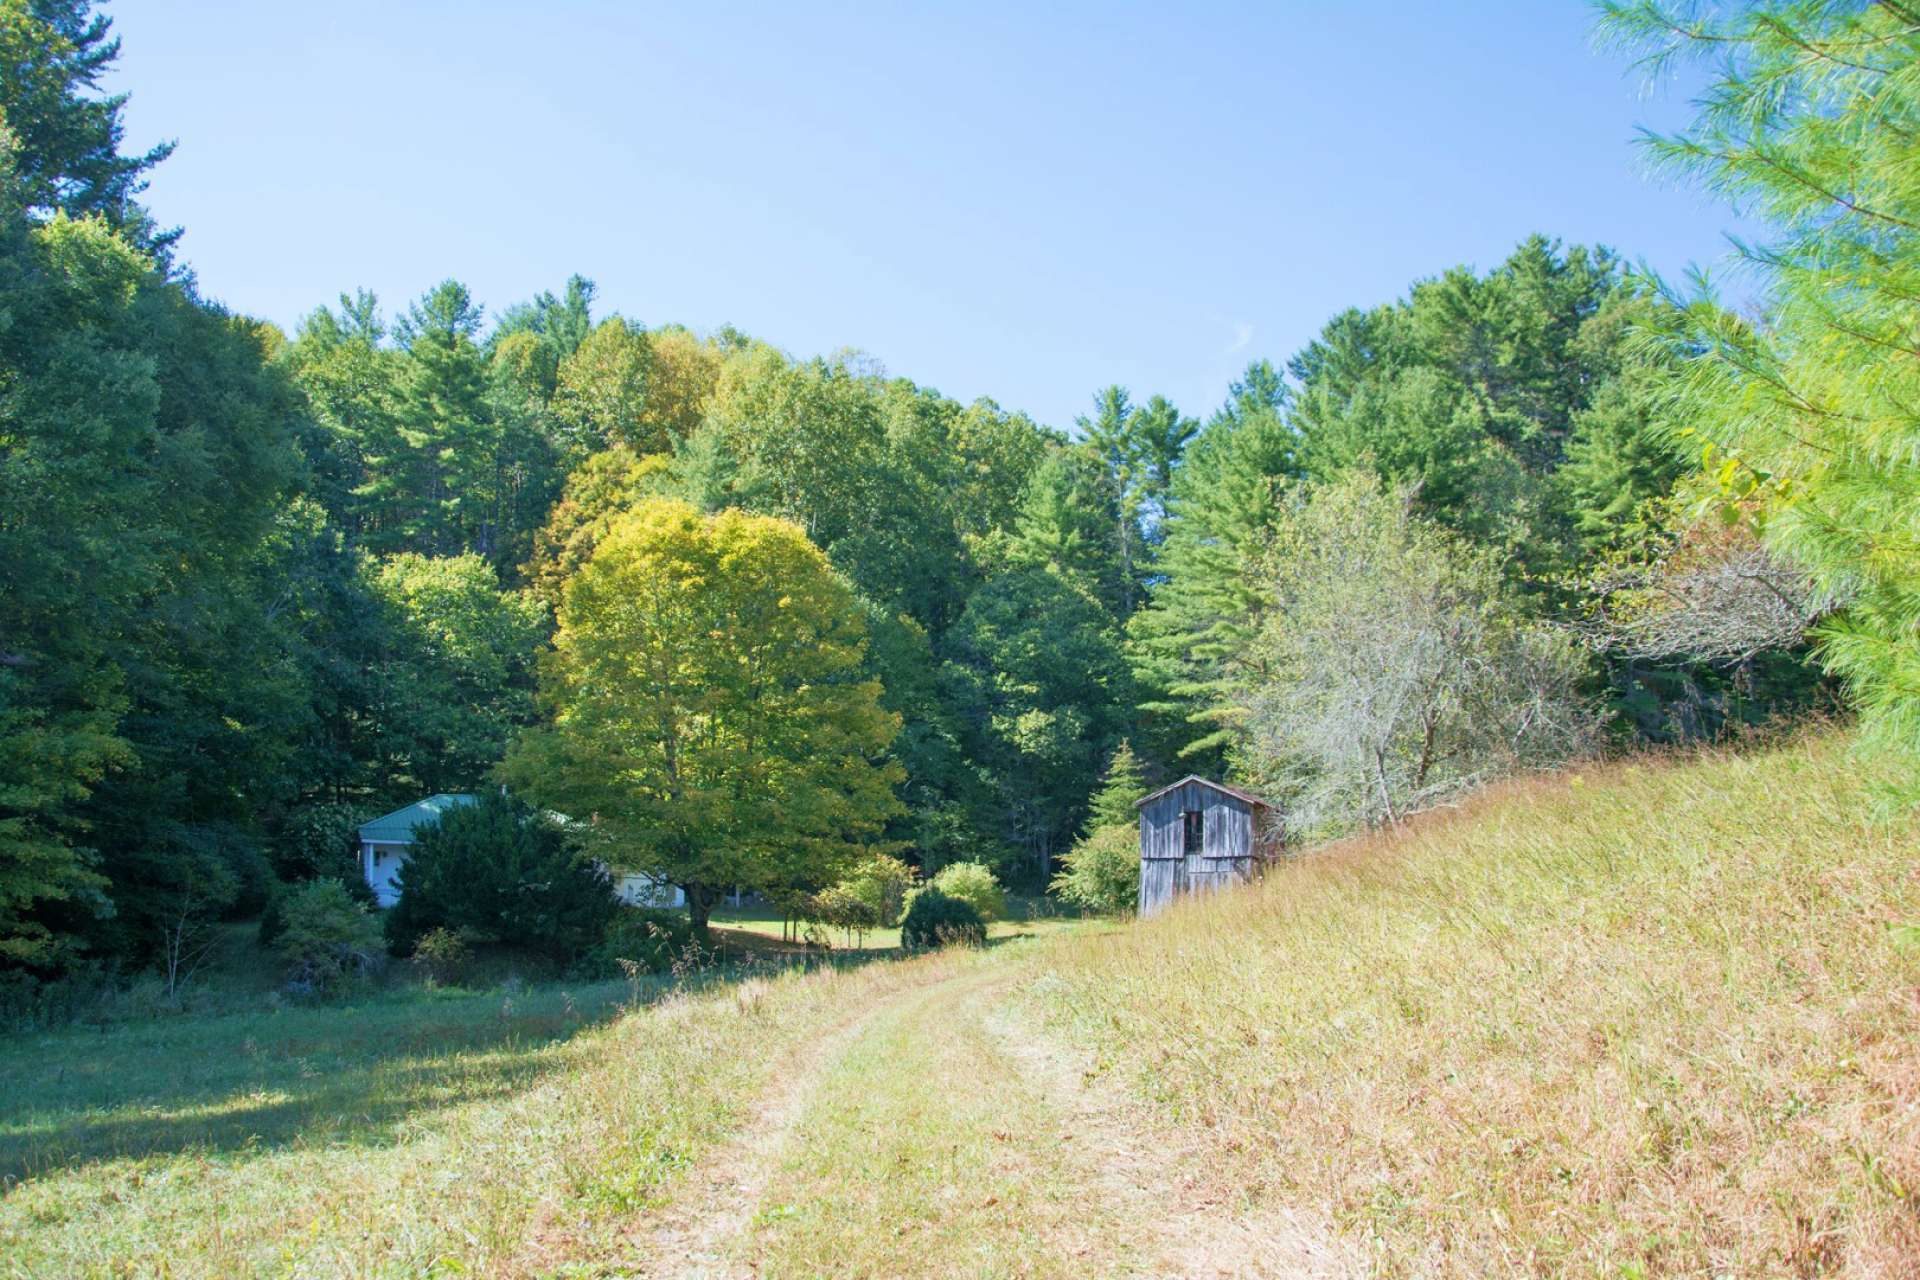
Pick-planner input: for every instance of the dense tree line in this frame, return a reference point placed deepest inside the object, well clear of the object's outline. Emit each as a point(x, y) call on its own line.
point(255, 584)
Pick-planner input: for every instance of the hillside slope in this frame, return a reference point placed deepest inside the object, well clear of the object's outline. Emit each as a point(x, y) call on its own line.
point(1642, 1020)
point(1645, 1020)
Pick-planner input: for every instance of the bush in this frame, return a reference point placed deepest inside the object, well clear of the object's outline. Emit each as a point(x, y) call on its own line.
point(883, 883)
point(936, 920)
point(442, 955)
point(973, 884)
point(842, 907)
point(650, 937)
point(503, 873)
point(1102, 873)
point(324, 936)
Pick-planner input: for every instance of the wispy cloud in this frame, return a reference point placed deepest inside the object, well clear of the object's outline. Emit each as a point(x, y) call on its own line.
point(1242, 337)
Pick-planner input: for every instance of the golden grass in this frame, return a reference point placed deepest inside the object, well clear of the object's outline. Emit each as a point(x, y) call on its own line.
point(1646, 1019)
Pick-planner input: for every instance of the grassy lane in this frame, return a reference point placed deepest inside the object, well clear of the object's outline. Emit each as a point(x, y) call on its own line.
point(924, 1153)
point(952, 1137)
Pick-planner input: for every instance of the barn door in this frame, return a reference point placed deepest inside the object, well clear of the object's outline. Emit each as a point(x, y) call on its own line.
point(1193, 850)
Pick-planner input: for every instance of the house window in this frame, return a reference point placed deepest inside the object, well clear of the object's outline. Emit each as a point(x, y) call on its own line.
point(1196, 828)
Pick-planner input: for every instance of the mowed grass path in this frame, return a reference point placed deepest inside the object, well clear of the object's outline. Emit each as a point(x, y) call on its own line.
point(923, 1152)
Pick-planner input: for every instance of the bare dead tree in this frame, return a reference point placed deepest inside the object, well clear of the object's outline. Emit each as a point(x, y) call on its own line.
point(186, 940)
point(1401, 675)
point(1716, 595)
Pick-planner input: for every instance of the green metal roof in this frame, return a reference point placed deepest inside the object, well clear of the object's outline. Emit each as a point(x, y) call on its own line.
point(397, 827)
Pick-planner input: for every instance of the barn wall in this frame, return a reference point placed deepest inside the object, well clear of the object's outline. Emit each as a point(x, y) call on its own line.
point(1227, 841)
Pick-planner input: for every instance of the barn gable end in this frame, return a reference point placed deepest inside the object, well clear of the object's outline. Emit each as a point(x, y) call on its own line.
point(1197, 836)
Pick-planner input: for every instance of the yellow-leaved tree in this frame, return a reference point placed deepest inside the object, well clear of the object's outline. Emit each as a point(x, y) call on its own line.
point(708, 720)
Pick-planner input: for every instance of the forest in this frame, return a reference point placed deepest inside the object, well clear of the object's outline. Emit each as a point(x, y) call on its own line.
point(257, 586)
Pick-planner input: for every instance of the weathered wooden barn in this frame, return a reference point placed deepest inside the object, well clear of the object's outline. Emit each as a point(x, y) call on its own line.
point(1197, 835)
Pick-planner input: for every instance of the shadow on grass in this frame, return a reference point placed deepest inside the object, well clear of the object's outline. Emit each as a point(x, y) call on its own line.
point(275, 1078)
point(270, 1080)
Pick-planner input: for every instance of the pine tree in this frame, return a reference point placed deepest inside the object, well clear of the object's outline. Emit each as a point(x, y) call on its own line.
point(1806, 418)
point(1121, 787)
point(1159, 437)
point(1187, 644)
point(68, 134)
point(443, 477)
point(1108, 438)
point(1065, 521)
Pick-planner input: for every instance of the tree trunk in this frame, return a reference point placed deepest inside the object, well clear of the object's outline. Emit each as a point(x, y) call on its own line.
point(1386, 792)
point(700, 900)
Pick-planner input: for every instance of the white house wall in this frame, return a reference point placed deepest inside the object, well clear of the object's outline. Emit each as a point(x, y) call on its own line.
point(637, 890)
point(382, 862)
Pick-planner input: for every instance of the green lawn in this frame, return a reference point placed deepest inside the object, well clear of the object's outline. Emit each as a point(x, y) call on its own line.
point(407, 1131)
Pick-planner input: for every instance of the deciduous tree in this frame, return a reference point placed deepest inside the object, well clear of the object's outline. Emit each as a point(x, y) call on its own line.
point(710, 721)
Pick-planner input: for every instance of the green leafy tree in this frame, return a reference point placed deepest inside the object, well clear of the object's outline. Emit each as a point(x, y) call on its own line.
point(1101, 873)
point(1102, 870)
point(883, 882)
point(947, 806)
point(811, 434)
point(455, 678)
point(317, 841)
point(709, 707)
point(1036, 676)
point(601, 395)
point(145, 453)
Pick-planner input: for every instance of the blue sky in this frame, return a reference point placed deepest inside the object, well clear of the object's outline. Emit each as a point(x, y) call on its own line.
point(1020, 201)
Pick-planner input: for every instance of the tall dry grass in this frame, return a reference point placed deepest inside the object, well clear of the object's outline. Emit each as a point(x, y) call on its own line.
point(1645, 1019)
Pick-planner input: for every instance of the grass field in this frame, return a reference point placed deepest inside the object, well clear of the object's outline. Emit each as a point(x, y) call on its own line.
point(408, 1134)
point(1026, 918)
point(1644, 1020)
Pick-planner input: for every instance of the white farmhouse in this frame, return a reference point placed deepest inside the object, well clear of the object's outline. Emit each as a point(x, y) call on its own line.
point(386, 842)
